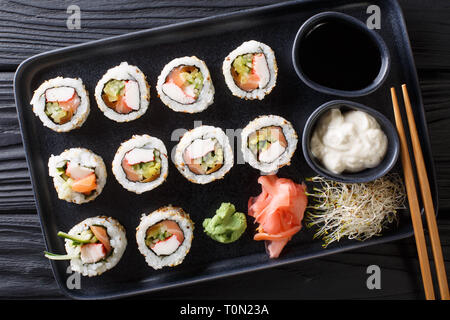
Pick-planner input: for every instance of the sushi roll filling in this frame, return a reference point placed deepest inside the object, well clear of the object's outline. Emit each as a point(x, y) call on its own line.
point(204, 156)
point(164, 238)
point(122, 96)
point(77, 178)
point(92, 245)
point(61, 103)
point(250, 71)
point(142, 165)
point(183, 84)
point(268, 143)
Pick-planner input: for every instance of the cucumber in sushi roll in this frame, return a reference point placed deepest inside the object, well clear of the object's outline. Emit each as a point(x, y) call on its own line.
point(204, 154)
point(164, 237)
point(141, 163)
point(93, 246)
point(268, 143)
point(123, 93)
point(79, 175)
point(250, 70)
point(185, 85)
point(62, 104)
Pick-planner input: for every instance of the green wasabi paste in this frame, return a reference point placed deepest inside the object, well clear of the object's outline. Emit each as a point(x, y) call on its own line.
point(227, 225)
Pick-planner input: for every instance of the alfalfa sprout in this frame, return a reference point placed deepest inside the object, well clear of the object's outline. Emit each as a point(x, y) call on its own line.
point(354, 210)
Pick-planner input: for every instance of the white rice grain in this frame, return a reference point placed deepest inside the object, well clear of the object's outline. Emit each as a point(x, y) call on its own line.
point(166, 213)
point(83, 157)
point(124, 71)
point(79, 117)
point(204, 132)
point(118, 242)
point(206, 96)
point(251, 46)
point(284, 158)
point(140, 141)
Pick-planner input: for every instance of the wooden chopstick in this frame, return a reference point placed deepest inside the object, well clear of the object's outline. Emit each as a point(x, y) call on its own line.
point(413, 203)
point(427, 199)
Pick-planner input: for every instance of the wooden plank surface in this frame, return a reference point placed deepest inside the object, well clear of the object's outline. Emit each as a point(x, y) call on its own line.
point(28, 28)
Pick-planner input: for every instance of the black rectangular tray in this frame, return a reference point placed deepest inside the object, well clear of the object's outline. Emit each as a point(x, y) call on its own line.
point(210, 39)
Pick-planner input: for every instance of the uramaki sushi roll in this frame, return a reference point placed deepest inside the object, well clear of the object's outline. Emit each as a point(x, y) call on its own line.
point(141, 164)
point(204, 154)
point(62, 104)
point(268, 143)
point(123, 93)
point(185, 85)
point(164, 237)
point(79, 175)
point(93, 246)
point(250, 70)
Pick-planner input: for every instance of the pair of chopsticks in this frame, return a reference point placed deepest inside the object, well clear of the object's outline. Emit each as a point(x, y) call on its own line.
point(414, 203)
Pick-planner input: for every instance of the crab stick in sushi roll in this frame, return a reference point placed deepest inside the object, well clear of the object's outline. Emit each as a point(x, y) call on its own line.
point(93, 246)
point(164, 237)
point(268, 143)
point(250, 70)
point(78, 174)
point(141, 164)
point(62, 104)
point(123, 93)
point(204, 154)
point(185, 85)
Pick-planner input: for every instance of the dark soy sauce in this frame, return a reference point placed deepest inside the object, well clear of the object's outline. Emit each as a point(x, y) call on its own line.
point(338, 55)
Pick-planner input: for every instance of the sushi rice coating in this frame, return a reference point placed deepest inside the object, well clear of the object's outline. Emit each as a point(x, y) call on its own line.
point(118, 242)
point(165, 213)
point(79, 117)
point(254, 47)
point(206, 96)
point(284, 158)
point(204, 132)
point(83, 157)
point(139, 141)
point(124, 71)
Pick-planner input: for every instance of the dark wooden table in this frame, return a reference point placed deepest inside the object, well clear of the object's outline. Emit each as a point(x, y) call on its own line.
point(30, 27)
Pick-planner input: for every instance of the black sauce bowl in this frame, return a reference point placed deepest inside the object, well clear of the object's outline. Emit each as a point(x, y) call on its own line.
point(365, 175)
point(378, 42)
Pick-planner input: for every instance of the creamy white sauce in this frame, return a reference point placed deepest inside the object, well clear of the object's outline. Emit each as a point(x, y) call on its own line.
point(351, 141)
